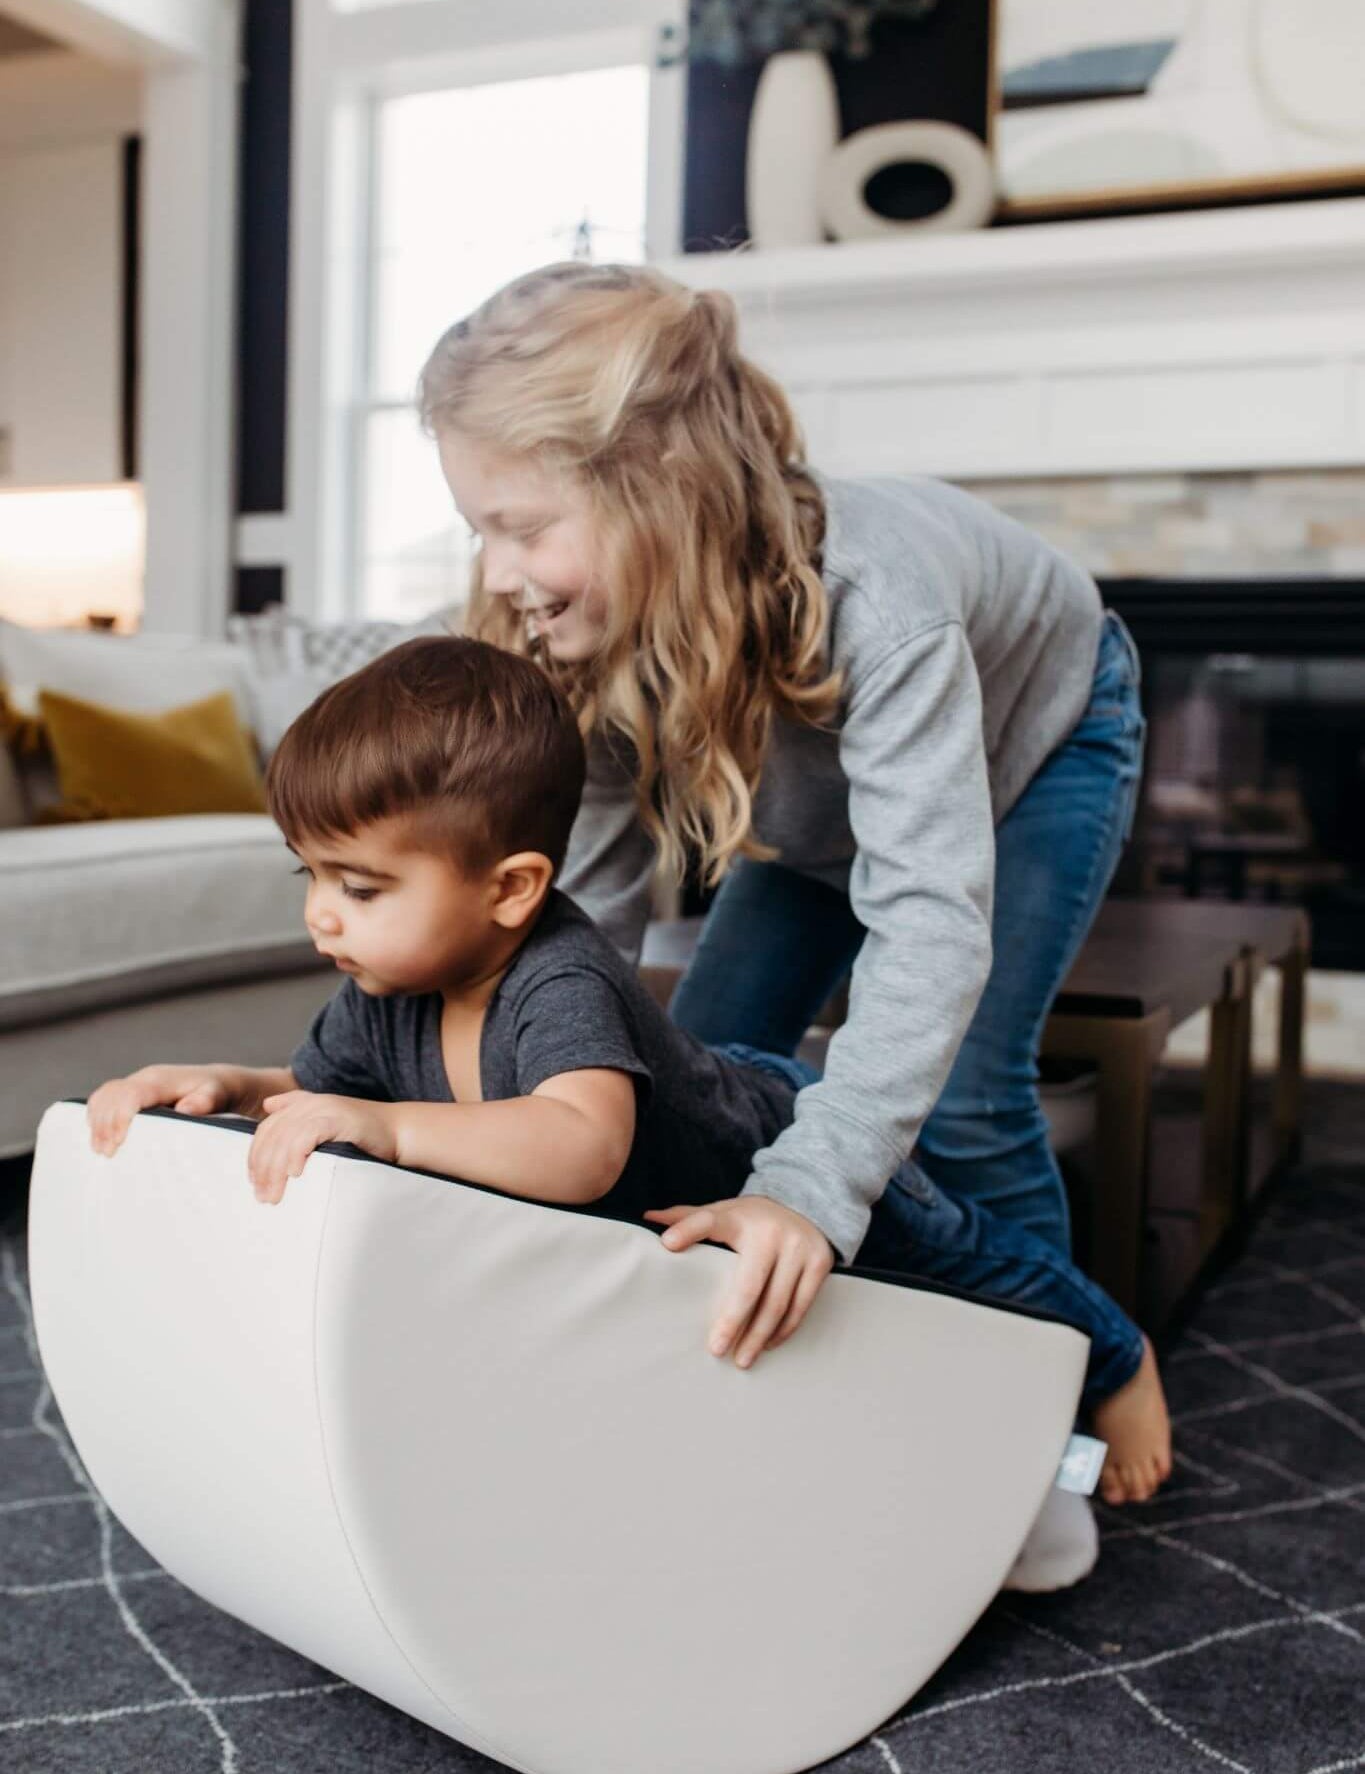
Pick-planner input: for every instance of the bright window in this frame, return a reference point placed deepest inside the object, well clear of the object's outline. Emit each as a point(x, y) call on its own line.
point(470, 188)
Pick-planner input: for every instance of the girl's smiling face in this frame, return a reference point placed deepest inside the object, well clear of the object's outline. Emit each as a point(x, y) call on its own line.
point(536, 542)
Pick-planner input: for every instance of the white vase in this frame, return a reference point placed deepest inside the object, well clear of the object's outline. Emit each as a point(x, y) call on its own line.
point(842, 185)
point(793, 129)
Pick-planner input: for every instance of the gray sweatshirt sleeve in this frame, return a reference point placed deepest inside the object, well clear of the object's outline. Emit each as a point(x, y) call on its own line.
point(921, 886)
point(609, 867)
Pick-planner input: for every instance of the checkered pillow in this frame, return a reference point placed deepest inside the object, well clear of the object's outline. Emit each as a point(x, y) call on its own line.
point(291, 660)
point(276, 640)
point(343, 647)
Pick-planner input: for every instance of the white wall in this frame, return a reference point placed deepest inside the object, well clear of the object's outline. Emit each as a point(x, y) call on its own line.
point(63, 119)
point(61, 314)
point(61, 98)
point(134, 31)
point(185, 53)
point(1230, 339)
point(187, 280)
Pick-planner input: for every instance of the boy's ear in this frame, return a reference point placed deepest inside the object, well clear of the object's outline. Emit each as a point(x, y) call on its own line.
point(520, 885)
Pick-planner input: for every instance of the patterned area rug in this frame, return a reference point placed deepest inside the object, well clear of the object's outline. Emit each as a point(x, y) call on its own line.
point(1224, 1626)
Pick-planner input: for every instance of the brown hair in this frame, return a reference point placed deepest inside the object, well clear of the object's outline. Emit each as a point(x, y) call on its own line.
point(473, 745)
point(710, 527)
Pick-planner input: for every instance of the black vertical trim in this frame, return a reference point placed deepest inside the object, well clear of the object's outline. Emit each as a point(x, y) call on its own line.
point(263, 256)
point(130, 365)
point(256, 587)
point(719, 100)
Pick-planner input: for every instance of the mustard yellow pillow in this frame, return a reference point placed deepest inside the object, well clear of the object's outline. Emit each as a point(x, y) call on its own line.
point(113, 764)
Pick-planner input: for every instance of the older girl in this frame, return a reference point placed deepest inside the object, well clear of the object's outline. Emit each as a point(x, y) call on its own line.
point(896, 729)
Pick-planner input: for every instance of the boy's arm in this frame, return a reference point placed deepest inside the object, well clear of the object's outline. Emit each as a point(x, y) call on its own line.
point(213, 1089)
point(567, 1141)
point(249, 1086)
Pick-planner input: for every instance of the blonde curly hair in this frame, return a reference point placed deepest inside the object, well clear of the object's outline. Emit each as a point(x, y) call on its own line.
point(709, 529)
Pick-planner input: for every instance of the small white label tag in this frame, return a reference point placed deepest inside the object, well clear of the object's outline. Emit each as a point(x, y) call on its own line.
point(1081, 1463)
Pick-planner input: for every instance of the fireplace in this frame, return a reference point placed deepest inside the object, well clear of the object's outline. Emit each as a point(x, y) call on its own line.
point(1254, 784)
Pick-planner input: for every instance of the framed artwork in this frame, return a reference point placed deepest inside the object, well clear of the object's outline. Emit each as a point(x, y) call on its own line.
point(1167, 103)
point(933, 63)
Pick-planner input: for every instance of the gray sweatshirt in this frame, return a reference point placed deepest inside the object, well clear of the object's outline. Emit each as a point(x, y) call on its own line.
point(968, 647)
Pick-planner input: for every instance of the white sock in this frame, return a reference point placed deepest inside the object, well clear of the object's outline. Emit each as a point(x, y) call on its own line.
point(1061, 1547)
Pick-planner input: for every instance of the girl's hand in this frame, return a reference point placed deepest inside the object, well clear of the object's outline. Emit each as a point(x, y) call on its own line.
point(297, 1122)
point(783, 1262)
point(189, 1090)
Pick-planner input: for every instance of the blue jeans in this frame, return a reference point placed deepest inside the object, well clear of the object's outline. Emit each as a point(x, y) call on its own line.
point(919, 1229)
point(775, 944)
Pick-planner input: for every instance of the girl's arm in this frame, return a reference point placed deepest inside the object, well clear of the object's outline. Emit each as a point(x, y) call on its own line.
point(921, 884)
point(920, 809)
point(568, 1141)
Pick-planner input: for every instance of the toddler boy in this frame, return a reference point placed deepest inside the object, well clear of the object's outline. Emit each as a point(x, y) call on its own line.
point(488, 1031)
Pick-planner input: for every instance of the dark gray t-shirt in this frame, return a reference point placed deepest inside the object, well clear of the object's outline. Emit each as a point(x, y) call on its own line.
point(568, 1002)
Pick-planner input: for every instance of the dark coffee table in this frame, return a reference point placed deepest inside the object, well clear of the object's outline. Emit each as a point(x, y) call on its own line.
point(1146, 966)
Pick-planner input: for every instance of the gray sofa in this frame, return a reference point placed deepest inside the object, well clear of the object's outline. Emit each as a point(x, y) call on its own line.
point(124, 941)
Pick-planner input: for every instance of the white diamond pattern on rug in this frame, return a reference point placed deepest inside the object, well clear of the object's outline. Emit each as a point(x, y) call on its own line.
point(1224, 1627)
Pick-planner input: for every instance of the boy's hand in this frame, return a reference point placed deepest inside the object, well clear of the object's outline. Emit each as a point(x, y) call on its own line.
point(297, 1122)
point(189, 1090)
point(783, 1262)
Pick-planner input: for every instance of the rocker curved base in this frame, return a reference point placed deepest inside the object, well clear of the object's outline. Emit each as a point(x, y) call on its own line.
point(471, 1453)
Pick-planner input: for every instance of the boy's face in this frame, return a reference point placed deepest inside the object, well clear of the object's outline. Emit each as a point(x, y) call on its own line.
point(394, 918)
point(536, 536)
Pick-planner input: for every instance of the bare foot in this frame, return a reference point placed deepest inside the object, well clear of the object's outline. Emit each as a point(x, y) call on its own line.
point(1135, 1423)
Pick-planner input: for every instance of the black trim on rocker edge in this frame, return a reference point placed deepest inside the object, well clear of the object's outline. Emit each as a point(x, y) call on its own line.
point(598, 1211)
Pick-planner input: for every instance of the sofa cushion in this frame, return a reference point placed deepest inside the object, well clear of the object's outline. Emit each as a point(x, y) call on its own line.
point(143, 672)
point(124, 909)
point(113, 764)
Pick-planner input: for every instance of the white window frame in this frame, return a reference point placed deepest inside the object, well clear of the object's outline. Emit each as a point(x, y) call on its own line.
point(346, 64)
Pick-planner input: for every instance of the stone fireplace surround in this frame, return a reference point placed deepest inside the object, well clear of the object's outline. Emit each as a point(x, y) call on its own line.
point(1297, 523)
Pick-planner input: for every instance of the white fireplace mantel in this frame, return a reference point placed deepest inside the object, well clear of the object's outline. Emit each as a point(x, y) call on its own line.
point(1202, 341)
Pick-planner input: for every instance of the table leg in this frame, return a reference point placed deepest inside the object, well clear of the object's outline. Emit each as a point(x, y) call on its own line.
point(1227, 1102)
point(1288, 1107)
point(1125, 1051)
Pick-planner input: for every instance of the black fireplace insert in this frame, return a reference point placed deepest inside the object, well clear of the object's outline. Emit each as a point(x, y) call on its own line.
point(1254, 786)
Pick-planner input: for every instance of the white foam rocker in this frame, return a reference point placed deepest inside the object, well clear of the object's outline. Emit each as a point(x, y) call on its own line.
point(471, 1453)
